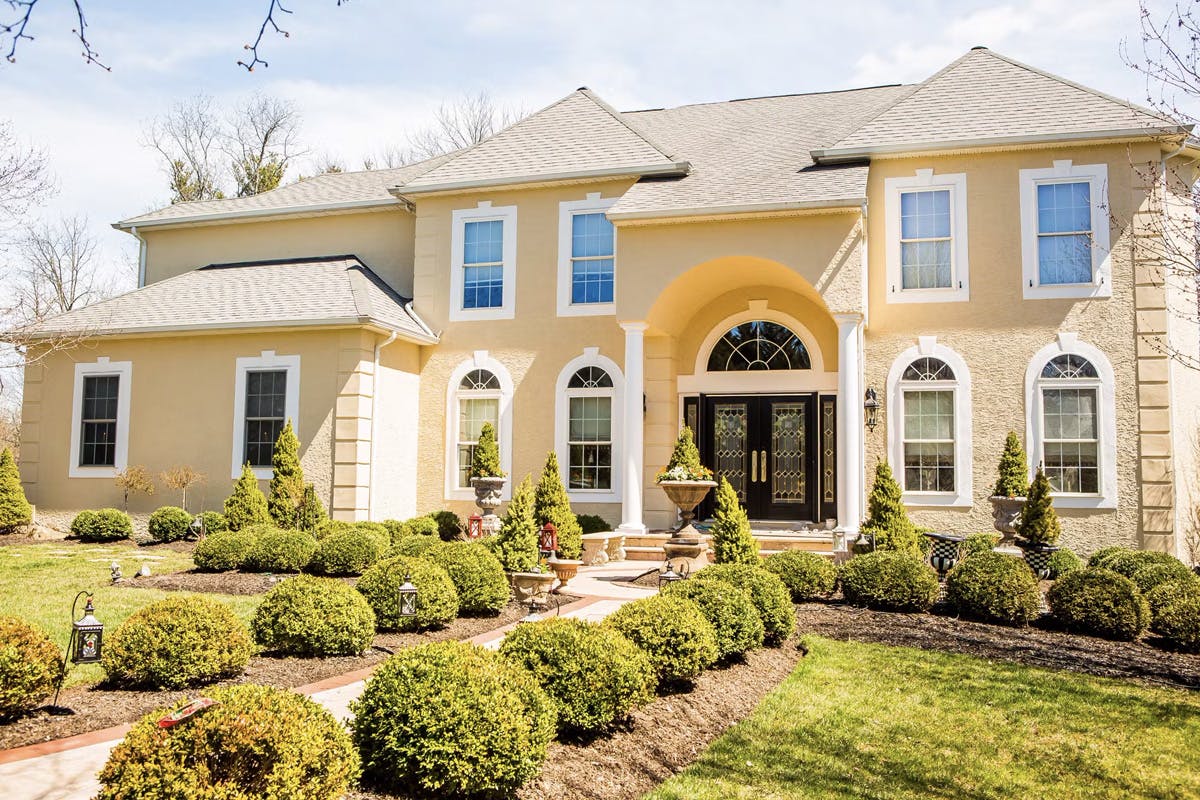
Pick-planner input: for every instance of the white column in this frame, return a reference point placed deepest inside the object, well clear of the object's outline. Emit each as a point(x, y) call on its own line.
point(850, 422)
point(632, 445)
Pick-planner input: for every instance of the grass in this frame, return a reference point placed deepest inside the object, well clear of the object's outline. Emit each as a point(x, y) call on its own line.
point(869, 721)
point(39, 581)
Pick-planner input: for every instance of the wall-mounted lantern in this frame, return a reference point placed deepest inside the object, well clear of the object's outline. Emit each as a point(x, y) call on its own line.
point(871, 406)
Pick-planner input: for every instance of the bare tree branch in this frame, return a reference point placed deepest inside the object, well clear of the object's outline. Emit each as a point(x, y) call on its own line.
point(261, 140)
point(24, 176)
point(459, 124)
point(269, 22)
point(187, 137)
point(16, 29)
point(58, 270)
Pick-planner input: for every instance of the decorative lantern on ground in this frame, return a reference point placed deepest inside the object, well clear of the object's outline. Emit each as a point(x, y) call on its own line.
point(197, 526)
point(548, 540)
point(474, 526)
point(408, 598)
point(88, 634)
point(669, 575)
point(871, 408)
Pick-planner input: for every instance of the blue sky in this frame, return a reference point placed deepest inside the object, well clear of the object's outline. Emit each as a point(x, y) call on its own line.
point(366, 74)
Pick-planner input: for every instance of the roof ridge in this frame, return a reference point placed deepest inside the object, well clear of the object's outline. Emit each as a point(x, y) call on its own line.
point(619, 117)
point(766, 97)
point(268, 262)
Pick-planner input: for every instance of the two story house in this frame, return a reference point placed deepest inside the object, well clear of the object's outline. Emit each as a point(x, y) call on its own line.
point(965, 249)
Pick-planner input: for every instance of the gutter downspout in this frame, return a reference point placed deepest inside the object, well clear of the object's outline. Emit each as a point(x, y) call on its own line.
point(141, 273)
point(374, 417)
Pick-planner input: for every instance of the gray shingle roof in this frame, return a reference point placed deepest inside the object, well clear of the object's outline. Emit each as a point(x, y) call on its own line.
point(323, 290)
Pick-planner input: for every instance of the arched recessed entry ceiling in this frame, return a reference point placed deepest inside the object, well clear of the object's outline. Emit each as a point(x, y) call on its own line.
point(758, 345)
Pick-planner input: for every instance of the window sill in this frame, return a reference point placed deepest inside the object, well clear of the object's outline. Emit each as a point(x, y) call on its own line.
point(936, 500)
point(593, 496)
point(587, 310)
point(1083, 501)
point(262, 473)
point(1068, 291)
point(481, 314)
point(962, 295)
point(93, 472)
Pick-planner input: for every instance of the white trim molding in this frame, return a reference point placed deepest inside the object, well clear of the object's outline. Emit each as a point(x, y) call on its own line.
point(123, 370)
point(482, 213)
point(566, 212)
point(925, 180)
point(1106, 427)
point(964, 451)
point(562, 404)
point(266, 361)
point(1064, 171)
point(478, 360)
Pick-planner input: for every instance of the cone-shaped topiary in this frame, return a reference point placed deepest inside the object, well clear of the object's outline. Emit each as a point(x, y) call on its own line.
point(887, 521)
point(247, 505)
point(552, 505)
point(310, 514)
point(731, 539)
point(485, 460)
point(1013, 473)
point(684, 464)
point(15, 510)
point(516, 545)
point(1039, 521)
point(287, 479)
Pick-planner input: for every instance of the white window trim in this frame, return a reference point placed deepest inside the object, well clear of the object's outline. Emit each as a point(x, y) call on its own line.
point(102, 367)
point(1065, 172)
point(266, 361)
point(925, 180)
point(1106, 429)
point(482, 213)
point(479, 360)
point(964, 450)
point(566, 211)
point(590, 358)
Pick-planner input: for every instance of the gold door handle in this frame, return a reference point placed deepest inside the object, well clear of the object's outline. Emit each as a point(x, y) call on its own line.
point(753, 467)
point(763, 470)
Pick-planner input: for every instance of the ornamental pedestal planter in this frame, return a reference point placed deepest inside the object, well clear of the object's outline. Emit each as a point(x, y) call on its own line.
point(686, 544)
point(946, 551)
point(527, 584)
point(564, 570)
point(488, 492)
point(1037, 556)
point(1005, 512)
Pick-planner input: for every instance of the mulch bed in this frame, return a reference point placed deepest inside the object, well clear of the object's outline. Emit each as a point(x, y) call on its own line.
point(215, 582)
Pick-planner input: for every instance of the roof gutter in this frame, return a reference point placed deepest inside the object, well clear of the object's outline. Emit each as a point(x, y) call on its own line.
point(659, 169)
point(253, 213)
point(837, 203)
point(141, 273)
point(423, 338)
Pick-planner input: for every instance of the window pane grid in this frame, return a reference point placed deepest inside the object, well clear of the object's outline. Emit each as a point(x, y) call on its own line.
point(589, 443)
point(473, 412)
point(1064, 219)
point(483, 264)
point(1070, 440)
point(928, 441)
point(98, 437)
point(592, 260)
point(266, 406)
point(925, 240)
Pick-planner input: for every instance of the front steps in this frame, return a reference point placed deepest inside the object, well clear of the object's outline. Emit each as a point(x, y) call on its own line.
point(648, 546)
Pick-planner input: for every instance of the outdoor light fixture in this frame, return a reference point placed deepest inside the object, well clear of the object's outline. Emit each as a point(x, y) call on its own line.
point(669, 575)
point(88, 635)
point(408, 598)
point(871, 407)
point(548, 540)
point(197, 526)
point(474, 527)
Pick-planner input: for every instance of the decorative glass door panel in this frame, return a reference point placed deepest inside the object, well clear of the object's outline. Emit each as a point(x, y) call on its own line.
point(730, 444)
point(789, 456)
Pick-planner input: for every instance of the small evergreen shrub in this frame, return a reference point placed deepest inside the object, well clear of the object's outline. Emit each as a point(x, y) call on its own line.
point(449, 526)
point(890, 581)
point(286, 491)
point(1063, 562)
point(995, 588)
point(1012, 481)
point(278, 550)
point(1100, 602)
point(451, 720)
point(224, 550)
point(1127, 562)
point(177, 642)
point(307, 616)
point(213, 522)
point(808, 576)
point(15, 510)
point(887, 523)
point(1151, 575)
point(551, 504)
point(476, 573)
point(978, 543)
point(310, 513)
point(1100, 557)
point(516, 545)
point(672, 632)
point(1038, 523)
point(485, 459)
point(1175, 613)
point(247, 505)
point(437, 600)
point(1167, 592)
point(348, 553)
point(332, 526)
point(30, 666)
point(105, 525)
point(591, 523)
point(257, 742)
point(414, 546)
point(768, 593)
point(417, 526)
point(732, 541)
point(170, 524)
point(729, 609)
point(684, 464)
point(593, 674)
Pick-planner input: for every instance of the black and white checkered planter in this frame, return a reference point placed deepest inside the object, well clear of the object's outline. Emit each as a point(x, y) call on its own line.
point(1037, 556)
point(945, 552)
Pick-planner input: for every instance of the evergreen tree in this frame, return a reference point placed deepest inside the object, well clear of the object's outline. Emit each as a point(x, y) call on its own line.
point(287, 479)
point(310, 514)
point(887, 521)
point(247, 505)
point(485, 460)
point(15, 510)
point(1012, 469)
point(1039, 521)
point(731, 539)
point(685, 460)
point(552, 505)
point(516, 545)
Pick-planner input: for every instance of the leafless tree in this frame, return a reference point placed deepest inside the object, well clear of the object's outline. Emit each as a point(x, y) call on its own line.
point(58, 270)
point(464, 122)
point(188, 138)
point(182, 477)
point(261, 139)
point(327, 163)
point(24, 176)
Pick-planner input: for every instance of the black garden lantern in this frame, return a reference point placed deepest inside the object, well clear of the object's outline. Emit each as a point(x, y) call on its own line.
point(871, 406)
point(548, 540)
point(88, 635)
point(408, 598)
point(669, 576)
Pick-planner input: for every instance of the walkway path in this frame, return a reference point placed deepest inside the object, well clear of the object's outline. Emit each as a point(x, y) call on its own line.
point(65, 769)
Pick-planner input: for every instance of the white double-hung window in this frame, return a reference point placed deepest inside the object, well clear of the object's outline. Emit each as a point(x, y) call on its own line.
point(483, 268)
point(480, 392)
point(1065, 231)
point(587, 252)
point(926, 219)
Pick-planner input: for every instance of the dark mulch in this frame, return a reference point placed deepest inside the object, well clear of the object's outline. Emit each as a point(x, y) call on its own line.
point(195, 581)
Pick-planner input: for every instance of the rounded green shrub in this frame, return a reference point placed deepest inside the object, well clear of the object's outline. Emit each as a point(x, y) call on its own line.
point(890, 580)
point(1168, 592)
point(177, 642)
point(414, 546)
point(347, 553)
point(307, 616)
point(329, 527)
point(213, 522)
point(808, 576)
point(105, 525)
point(417, 526)
point(768, 593)
point(437, 599)
point(1063, 562)
point(449, 526)
point(224, 550)
point(477, 575)
point(1100, 557)
point(1151, 575)
point(1129, 562)
point(672, 632)
point(1101, 602)
point(994, 587)
point(170, 524)
point(593, 674)
point(450, 720)
point(15, 510)
point(257, 742)
point(591, 523)
point(376, 529)
point(1175, 612)
point(729, 609)
point(978, 543)
point(30, 666)
point(277, 550)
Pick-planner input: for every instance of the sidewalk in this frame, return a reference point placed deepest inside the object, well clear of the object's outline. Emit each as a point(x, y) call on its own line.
point(66, 769)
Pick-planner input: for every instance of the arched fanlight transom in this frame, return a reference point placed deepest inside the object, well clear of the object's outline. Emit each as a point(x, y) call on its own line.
point(927, 368)
point(758, 345)
point(480, 380)
point(1069, 365)
point(590, 378)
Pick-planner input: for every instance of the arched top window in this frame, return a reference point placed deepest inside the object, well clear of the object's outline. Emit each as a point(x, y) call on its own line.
point(478, 391)
point(590, 378)
point(1069, 365)
point(758, 345)
point(927, 368)
point(480, 380)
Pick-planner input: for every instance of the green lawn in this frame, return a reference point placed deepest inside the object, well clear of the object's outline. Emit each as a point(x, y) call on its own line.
point(38, 582)
point(869, 721)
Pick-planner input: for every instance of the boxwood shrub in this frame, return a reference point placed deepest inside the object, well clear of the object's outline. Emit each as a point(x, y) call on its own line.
point(1101, 602)
point(994, 587)
point(414, 545)
point(808, 576)
point(30, 665)
point(449, 526)
point(890, 580)
point(417, 526)
point(767, 592)
point(729, 609)
point(1151, 575)
point(672, 632)
point(1126, 562)
point(1100, 557)
point(213, 522)
point(1167, 591)
point(258, 741)
point(105, 525)
point(978, 543)
point(593, 674)
point(307, 616)
point(1063, 562)
point(170, 524)
point(224, 550)
point(277, 550)
point(450, 719)
point(1175, 613)
point(592, 523)
point(477, 575)
point(437, 599)
point(177, 642)
point(347, 553)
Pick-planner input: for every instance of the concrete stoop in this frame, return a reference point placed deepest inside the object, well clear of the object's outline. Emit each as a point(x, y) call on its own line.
point(648, 546)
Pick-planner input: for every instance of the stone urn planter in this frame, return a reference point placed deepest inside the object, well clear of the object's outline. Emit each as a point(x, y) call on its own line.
point(526, 585)
point(946, 550)
point(488, 496)
point(686, 544)
point(1037, 556)
point(564, 570)
point(1005, 513)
